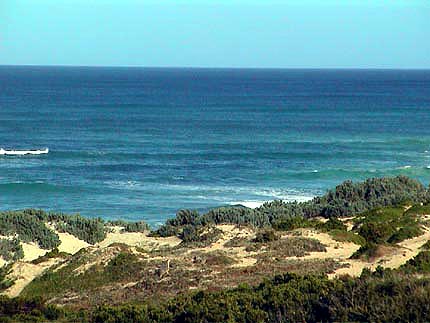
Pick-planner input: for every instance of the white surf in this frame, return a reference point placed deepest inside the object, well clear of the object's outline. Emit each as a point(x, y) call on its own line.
point(23, 152)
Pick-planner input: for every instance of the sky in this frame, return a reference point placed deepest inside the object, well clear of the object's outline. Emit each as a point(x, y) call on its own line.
point(216, 33)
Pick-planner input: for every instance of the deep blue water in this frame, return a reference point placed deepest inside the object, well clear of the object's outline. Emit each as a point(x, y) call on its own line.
point(136, 143)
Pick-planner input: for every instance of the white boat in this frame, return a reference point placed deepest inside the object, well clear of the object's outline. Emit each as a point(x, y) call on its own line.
point(23, 152)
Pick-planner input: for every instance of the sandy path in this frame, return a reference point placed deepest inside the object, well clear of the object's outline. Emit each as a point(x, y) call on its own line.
point(24, 273)
point(406, 251)
point(341, 251)
point(137, 239)
point(410, 248)
point(335, 249)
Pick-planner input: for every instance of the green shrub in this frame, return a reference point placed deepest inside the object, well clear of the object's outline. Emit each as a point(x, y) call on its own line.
point(382, 296)
point(347, 236)
point(11, 250)
point(332, 224)
point(419, 264)
point(267, 235)
point(376, 233)
point(29, 228)
point(122, 266)
point(366, 251)
point(184, 217)
point(89, 230)
point(404, 233)
point(346, 199)
point(54, 253)
point(5, 281)
point(288, 224)
point(139, 226)
point(352, 198)
point(165, 230)
point(190, 233)
point(387, 225)
point(426, 246)
point(419, 210)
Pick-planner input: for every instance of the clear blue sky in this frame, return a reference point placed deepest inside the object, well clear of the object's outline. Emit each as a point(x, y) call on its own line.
point(216, 33)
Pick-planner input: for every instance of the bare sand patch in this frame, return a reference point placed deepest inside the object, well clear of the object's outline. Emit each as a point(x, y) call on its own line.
point(24, 273)
point(405, 251)
point(32, 251)
point(229, 232)
point(70, 244)
point(334, 249)
point(137, 239)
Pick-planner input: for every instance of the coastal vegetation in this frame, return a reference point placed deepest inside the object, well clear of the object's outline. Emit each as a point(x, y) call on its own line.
point(11, 249)
point(382, 296)
point(281, 262)
point(5, 280)
point(346, 199)
point(28, 227)
point(385, 226)
point(38, 226)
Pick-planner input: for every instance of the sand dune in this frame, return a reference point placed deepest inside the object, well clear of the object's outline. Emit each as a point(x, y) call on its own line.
point(24, 271)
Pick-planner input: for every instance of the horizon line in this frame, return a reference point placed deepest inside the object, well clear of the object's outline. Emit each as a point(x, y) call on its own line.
point(219, 67)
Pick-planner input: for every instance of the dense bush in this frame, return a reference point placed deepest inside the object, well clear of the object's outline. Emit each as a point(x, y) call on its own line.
point(5, 281)
point(351, 198)
point(11, 250)
point(346, 199)
point(121, 266)
point(390, 225)
point(30, 225)
point(266, 236)
point(407, 232)
point(419, 210)
point(184, 217)
point(193, 236)
point(89, 230)
point(367, 251)
point(29, 228)
point(385, 226)
point(347, 236)
point(165, 231)
point(295, 222)
point(383, 296)
point(332, 224)
point(419, 264)
point(190, 233)
point(380, 297)
point(139, 226)
point(28, 310)
point(172, 226)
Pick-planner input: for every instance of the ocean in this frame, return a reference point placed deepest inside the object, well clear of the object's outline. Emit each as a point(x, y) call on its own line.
point(142, 143)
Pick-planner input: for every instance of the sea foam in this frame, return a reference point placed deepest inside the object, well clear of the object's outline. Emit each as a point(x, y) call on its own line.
point(23, 152)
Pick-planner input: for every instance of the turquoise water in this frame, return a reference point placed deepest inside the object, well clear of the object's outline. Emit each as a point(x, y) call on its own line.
point(136, 143)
